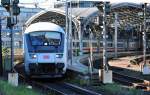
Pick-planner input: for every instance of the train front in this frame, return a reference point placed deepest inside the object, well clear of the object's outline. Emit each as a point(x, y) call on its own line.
point(44, 49)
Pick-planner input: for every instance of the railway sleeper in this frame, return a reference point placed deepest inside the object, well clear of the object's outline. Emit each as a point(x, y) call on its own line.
point(124, 82)
point(140, 86)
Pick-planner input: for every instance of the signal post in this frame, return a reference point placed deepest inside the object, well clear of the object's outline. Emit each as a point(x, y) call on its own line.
point(105, 74)
point(12, 7)
point(145, 68)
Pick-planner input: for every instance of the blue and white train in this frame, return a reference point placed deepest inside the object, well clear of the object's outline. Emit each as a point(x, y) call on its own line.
point(45, 52)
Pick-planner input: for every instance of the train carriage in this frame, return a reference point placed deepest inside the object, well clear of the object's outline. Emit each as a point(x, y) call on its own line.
point(45, 51)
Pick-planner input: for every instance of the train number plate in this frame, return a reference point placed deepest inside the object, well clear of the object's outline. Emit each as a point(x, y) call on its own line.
point(45, 57)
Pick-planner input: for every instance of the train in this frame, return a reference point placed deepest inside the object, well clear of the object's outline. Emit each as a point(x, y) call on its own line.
point(45, 50)
point(122, 45)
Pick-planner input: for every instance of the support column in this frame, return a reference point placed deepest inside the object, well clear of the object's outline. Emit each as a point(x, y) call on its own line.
point(80, 37)
point(105, 65)
point(146, 68)
point(116, 33)
point(67, 28)
point(91, 51)
point(1, 64)
point(70, 33)
point(144, 36)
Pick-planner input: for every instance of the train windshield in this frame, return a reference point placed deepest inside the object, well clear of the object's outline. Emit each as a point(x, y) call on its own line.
point(47, 38)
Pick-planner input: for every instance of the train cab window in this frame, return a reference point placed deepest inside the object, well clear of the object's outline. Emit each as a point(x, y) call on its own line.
point(45, 38)
point(45, 41)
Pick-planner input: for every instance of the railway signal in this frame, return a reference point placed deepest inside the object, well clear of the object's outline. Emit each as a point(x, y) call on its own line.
point(16, 9)
point(6, 4)
point(104, 9)
point(107, 8)
point(12, 7)
point(11, 4)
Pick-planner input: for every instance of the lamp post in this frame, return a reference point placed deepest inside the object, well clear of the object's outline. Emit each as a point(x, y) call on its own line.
point(1, 62)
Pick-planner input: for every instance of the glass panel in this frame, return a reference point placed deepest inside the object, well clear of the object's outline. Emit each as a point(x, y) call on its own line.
point(45, 38)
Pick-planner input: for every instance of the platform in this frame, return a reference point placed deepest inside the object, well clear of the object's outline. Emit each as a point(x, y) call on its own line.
point(77, 65)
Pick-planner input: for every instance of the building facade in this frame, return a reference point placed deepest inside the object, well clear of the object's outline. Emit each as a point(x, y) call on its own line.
point(24, 15)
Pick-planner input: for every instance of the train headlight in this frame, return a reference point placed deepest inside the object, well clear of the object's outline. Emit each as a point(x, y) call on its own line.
point(33, 56)
point(59, 55)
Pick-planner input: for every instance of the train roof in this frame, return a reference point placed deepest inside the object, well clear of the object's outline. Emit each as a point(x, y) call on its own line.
point(43, 26)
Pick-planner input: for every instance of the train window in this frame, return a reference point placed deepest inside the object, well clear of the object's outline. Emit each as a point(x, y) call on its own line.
point(109, 45)
point(76, 44)
point(94, 44)
point(85, 44)
point(45, 38)
point(101, 44)
point(132, 45)
point(73, 43)
point(120, 44)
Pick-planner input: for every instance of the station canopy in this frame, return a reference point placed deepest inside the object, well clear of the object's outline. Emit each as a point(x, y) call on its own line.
point(48, 15)
point(129, 14)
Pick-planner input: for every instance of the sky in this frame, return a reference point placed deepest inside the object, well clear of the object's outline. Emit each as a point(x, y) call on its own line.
point(113, 1)
point(29, 1)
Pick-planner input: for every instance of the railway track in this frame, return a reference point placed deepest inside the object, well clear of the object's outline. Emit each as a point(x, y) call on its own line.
point(127, 80)
point(57, 88)
point(131, 81)
point(65, 89)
